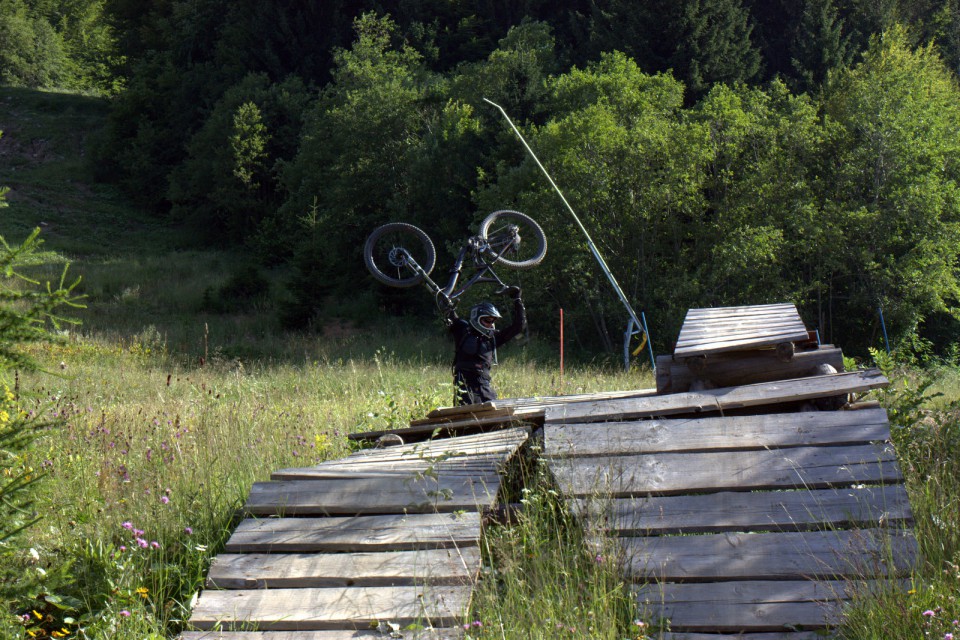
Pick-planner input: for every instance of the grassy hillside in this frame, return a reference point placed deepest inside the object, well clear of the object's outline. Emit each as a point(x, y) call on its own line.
point(176, 393)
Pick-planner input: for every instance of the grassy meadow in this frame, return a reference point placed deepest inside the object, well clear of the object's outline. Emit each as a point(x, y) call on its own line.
point(173, 395)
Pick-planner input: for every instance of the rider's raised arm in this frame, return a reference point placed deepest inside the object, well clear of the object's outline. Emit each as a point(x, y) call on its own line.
point(519, 320)
point(449, 316)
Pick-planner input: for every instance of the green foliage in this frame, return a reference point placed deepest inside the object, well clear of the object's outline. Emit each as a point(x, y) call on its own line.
point(894, 196)
point(545, 577)
point(32, 54)
point(66, 45)
point(26, 315)
point(227, 189)
point(820, 44)
point(382, 119)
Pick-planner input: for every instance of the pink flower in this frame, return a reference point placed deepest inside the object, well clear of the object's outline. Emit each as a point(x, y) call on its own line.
point(929, 613)
point(123, 547)
point(164, 499)
point(127, 525)
point(125, 613)
point(948, 636)
point(188, 530)
point(155, 544)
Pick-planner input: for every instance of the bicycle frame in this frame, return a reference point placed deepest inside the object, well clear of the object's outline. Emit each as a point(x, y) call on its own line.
point(482, 271)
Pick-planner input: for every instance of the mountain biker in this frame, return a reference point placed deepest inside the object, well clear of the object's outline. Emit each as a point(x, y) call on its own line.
point(476, 343)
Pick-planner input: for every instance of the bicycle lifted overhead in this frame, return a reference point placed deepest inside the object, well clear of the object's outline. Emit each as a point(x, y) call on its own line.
point(399, 254)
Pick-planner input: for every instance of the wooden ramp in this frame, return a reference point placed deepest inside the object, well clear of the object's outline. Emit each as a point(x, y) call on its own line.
point(711, 331)
point(731, 511)
point(359, 547)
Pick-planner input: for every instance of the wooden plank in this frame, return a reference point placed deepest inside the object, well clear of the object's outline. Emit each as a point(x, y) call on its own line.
point(769, 556)
point(787, 635)
point(720, 345)
point(408, 634)
point(484, 409)
point(363, 533)
point(800, 510)
point(390, 494)
point(747, 309)
point(398, 472)
point(744, 606)
point(505, 441)
point(726, 399)
point(319, 609)
point(536, 401)
point(734, 369)
point(432, 428)
point(491, 417)
point(716, 433)
point(740, 329)
point(672, 473)
point(378, 569)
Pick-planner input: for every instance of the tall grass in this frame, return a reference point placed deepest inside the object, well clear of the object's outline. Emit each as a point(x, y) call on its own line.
point(173, 397)
point(925, 425)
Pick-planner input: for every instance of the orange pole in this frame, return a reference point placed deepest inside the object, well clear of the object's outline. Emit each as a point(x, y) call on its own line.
point(561, 350)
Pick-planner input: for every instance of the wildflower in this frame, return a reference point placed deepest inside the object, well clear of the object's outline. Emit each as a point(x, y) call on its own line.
point(477, 623)
point(929, 613)
point(123, 548)
point(127, 525)
point(188, 530)
point(125, 613)
point(164, 499)
point(948, 636)
point(640, 623)
point(143, 544)
point(598, 559)
point(142, 592)
point(155, 544)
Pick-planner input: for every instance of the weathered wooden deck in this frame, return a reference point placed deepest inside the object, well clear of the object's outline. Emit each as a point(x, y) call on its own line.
point(749, 508)
point(730, 510)
point(383, 538)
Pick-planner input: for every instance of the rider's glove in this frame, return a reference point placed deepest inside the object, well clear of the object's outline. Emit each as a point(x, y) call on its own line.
point(513, 292)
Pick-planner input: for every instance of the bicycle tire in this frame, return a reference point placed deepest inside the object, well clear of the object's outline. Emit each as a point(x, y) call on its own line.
point(383, 261)
point(531, 233)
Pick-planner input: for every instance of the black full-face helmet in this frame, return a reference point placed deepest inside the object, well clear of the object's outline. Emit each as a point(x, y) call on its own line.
point(483, 310)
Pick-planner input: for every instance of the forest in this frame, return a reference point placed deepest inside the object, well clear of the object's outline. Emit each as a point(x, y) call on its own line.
point(720, 152)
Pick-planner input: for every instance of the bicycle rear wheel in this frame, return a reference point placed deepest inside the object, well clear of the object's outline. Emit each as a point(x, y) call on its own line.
point(515, 237)
point(389, 249)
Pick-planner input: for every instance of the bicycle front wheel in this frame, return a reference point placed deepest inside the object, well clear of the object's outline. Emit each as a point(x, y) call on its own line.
point(389, 250)
point(515, 238)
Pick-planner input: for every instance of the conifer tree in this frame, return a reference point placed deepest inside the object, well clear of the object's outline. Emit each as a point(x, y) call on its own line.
point(820, 44)
point(27, 312)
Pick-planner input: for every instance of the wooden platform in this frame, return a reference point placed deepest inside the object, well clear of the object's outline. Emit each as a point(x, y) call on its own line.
point(383, 537)
point(711, 331)
point(749, 509)
point(747, 524)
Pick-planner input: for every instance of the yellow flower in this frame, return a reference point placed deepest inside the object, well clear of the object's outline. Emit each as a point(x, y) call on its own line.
point(143, 591)
point(39, 616)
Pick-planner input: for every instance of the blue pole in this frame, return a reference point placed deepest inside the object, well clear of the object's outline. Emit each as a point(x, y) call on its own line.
point(883, 324)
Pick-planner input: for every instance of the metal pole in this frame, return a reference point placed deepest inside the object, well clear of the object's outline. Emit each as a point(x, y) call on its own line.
point(883, 324)
point(576, 218)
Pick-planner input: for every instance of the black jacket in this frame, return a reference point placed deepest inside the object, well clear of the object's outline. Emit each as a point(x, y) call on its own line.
point(474, 351)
